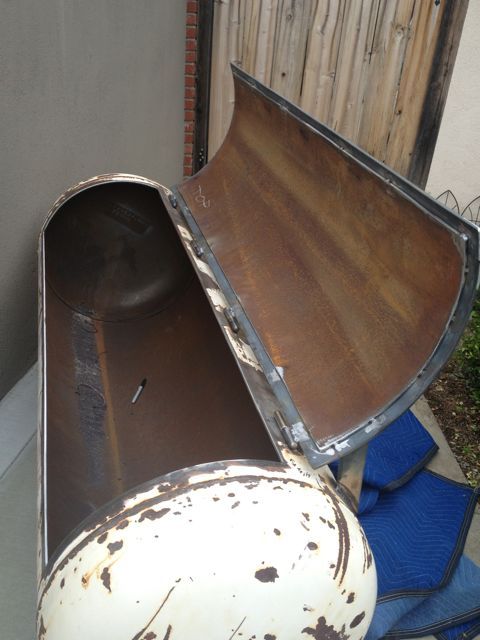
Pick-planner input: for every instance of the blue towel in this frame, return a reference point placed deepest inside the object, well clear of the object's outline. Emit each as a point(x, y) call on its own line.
point(417, 534)
point(394, 457)
point(416, 522)
point(397, 453)
point(465, 631)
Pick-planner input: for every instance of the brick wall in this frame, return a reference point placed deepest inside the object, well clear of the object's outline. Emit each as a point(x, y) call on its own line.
point(190, 90)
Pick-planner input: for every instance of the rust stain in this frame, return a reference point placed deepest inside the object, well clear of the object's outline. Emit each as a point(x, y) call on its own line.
point(351, 598)
point(343, 537)
point(276, 532)
point(367, 556)
point(106, 578)
point(123, 524)
point(62, 583)
point(139, 635)
point(169, 631)
point(150, 636)
point(236, 630)
point(151, 514)
point(114, 546)
point(101, 539)
point(269, 636)
point(268, 574)
point(312, 546)
point(88, 574)
point(324, 631)
point(357, 620)
point(42, 630)
point(235, 504)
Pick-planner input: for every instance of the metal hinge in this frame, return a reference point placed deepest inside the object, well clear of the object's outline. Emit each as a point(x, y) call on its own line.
point(285, 430)
point(229, 314)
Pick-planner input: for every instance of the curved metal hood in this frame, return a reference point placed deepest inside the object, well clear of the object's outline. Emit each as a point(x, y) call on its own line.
point(350, 285)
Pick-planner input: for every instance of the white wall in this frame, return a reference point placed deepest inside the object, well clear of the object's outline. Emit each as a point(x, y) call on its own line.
point(456, 160)
point(86, 87)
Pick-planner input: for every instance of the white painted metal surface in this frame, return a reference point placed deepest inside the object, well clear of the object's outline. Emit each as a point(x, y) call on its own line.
point(218, 551)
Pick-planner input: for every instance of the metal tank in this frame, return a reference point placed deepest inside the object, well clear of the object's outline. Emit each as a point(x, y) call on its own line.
point(206, 352)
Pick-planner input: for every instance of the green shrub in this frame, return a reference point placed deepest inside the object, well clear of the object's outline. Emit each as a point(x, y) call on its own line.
point(468, 353)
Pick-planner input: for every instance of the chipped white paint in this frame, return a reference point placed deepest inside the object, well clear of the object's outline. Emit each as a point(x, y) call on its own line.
point(218, 299)
point(243, 350)
point(234, 546)
point(201, 265)
point(184, 232)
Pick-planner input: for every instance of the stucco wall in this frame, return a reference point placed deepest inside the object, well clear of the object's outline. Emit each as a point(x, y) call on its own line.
point(456, 160)
point(86, 87)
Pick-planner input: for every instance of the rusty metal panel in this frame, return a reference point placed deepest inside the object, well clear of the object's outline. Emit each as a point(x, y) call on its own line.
point(357, 285)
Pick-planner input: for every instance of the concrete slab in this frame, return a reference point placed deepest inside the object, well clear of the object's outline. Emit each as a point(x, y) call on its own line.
point(18, 418)
point(18, 506)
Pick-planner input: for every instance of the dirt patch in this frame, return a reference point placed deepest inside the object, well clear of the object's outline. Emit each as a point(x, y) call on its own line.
point(459, 418)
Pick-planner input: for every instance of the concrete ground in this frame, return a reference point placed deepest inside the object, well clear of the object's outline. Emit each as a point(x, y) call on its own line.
point(18, 420)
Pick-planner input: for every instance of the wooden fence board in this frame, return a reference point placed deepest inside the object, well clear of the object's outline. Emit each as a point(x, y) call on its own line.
point(364, 67)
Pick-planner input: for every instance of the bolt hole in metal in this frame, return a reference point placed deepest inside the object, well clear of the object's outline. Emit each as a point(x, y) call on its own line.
point(123, 306)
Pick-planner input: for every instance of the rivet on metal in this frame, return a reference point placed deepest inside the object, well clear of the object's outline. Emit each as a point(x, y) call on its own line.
point(232, 319)
point(197, 249)
point(173, 200)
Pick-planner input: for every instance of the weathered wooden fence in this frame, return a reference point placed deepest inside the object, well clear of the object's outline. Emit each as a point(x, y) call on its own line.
point(377, 71)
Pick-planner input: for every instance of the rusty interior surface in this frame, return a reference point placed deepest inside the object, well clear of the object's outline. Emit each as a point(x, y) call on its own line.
point(123, 307)
point(348, 284)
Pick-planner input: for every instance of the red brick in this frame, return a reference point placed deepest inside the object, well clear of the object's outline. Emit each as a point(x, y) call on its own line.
point(190, 44)
point(192, 6)
point(187, 148)
point(191, 32)
point(190, 56)
point(188, 137)
point(191, 19)
point(190, 69)
point(189, 126)
point(189, 104)
point(189, 81)
point(190, 92)
point(188, 160)
point(189, 115)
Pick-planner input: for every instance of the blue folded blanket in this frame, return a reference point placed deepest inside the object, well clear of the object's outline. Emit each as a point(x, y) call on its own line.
point(416, 522)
